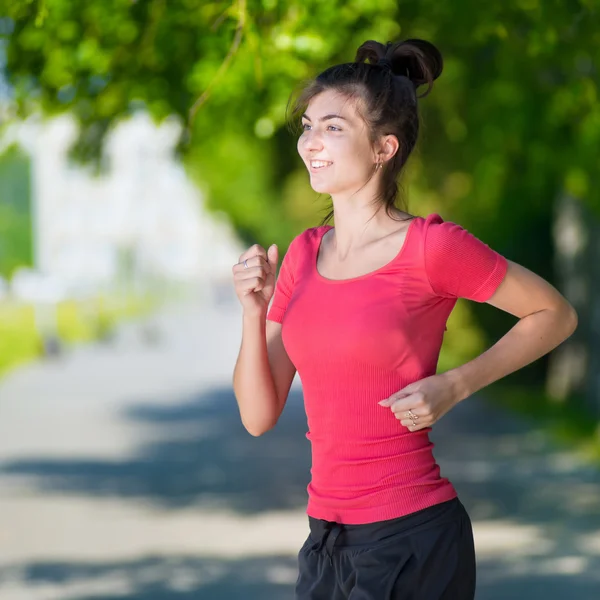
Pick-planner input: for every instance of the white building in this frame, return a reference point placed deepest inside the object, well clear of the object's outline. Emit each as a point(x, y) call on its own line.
point(144, 219)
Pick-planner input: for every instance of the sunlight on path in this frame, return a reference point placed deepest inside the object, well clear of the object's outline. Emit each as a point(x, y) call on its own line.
point(125, 473)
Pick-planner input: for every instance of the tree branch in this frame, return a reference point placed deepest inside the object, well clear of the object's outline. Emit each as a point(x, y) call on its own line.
point(232, 50)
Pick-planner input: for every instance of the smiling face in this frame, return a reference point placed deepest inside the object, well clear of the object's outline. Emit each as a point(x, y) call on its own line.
point(335, 145)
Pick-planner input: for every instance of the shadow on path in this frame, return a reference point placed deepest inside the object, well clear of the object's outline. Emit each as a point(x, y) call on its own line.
point(503, 467)
point(527, 495)
point(176, 578)
point(265, 578)
point(201, 456)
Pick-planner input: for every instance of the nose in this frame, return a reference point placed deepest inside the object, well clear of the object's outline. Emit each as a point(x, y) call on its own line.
point(311, 142)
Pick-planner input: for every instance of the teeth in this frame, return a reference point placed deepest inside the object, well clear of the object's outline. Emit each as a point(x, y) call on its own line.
point(319, 163)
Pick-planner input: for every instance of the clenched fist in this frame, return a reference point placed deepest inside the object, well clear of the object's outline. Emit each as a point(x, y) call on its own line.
point(255, 283)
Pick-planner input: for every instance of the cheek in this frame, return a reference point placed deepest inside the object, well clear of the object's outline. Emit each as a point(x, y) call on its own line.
point(354, 161)
point(299, 145)
point(351, 151)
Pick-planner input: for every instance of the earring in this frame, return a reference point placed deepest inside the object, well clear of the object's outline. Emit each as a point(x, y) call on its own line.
point(379, 165)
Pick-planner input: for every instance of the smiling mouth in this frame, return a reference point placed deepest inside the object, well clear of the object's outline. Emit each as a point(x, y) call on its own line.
point(317, 165)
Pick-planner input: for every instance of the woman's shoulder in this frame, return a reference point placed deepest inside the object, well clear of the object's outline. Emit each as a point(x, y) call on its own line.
point(431, 219)
point(435, 227)
point(309, 236)
point(424, 221)
point(315, 232)
point(438, 230)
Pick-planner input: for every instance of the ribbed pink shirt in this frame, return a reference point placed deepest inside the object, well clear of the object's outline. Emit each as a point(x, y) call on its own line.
point(356, 341)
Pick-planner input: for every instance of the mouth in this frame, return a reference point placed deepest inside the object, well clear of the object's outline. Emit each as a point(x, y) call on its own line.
point(319, 165)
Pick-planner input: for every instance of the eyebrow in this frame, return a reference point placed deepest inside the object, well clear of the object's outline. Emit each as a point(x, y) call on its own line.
point(326, 117)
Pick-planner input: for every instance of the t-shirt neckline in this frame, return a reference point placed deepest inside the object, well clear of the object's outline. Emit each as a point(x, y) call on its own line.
point(397, 257)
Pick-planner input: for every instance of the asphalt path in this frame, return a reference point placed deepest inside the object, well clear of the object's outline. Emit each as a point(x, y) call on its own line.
point(125, 473)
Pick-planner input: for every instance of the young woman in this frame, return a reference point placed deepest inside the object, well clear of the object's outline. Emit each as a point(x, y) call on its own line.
point(359, 310)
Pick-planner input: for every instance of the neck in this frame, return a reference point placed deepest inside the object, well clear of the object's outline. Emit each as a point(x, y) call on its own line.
point(358, 221)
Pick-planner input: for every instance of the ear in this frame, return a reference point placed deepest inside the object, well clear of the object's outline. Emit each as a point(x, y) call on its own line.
point(390, 146)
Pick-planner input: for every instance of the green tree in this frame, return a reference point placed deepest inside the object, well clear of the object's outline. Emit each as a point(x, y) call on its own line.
point(512, 125)
point(103, 60)
point(15, 212)
point(515, 116)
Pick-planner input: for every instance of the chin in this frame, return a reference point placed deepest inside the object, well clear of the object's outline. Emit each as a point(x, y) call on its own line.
point(322, 187)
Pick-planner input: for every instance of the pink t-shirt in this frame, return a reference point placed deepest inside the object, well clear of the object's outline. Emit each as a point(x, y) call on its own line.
point(356, 341)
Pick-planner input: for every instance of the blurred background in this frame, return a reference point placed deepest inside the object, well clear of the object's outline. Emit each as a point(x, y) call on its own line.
point(143, 147)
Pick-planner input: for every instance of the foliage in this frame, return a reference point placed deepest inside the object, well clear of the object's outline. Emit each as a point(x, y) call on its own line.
point(515, 117)
point(573, 424)
point(15, 212)
point(513, 120)
point(104, 60)
point(76, 321)
point(19, 340)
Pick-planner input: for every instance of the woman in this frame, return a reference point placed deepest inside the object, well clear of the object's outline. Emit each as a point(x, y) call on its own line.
point(359, 310)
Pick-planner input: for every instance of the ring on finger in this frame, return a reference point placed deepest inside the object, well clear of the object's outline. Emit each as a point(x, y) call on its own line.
point(411, 415)
point(245, 263)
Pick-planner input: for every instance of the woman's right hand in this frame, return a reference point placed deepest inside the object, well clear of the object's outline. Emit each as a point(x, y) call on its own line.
point(255, 285)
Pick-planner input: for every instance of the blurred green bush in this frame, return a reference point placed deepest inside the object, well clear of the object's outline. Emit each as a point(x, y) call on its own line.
point(513, 122)
point(16, 244)
point(76, 321)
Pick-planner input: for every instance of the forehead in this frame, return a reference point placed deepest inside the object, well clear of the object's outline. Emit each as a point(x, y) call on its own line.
point(331, 102)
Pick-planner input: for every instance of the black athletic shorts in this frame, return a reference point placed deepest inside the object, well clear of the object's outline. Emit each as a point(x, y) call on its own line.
point(427, 555)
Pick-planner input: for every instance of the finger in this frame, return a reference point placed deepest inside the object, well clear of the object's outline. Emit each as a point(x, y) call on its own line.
point(273, 256)
point(250, 281)
point(392, 399)
point(253, 284)
point(414, 426)
point(252, 273)
point(412, 414)
point(252, 261)
point(412, 402)
point(404, 404)
point(411, 417)
point(255, 250)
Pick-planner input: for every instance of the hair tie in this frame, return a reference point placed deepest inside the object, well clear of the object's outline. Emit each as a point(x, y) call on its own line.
point(385, 63)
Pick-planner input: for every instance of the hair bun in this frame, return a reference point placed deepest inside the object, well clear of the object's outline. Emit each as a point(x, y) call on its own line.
point(418, 60)
point(385, 62)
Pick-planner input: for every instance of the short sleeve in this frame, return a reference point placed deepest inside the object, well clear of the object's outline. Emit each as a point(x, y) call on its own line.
point(459, 265)
point(284, 286)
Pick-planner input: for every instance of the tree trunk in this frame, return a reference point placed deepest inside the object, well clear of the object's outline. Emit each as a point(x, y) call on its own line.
point(574, 367)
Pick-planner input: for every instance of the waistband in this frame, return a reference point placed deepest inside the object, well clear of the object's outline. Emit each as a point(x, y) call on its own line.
point(328, 534)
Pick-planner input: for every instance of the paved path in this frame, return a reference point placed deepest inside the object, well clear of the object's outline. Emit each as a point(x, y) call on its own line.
point(125, 474)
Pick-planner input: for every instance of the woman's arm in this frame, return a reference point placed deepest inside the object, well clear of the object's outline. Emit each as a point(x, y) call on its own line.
point(546, 319)
point(263, 374)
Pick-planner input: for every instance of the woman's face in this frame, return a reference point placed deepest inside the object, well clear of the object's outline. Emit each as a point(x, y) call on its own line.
point(335, 145)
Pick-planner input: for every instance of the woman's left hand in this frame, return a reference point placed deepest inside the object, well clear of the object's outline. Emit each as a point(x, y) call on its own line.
point(428, 400)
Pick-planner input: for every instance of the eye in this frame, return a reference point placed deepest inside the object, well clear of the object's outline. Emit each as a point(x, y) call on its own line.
point(333, 127)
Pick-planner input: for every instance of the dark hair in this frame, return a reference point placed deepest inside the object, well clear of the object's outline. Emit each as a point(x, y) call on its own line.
point(386, 84)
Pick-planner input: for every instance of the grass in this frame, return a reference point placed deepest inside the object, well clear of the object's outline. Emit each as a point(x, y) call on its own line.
point(570, 423)
point(75, 322)
point(19, 340)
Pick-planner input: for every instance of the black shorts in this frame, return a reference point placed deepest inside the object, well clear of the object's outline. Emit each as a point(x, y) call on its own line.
point(427, 555)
